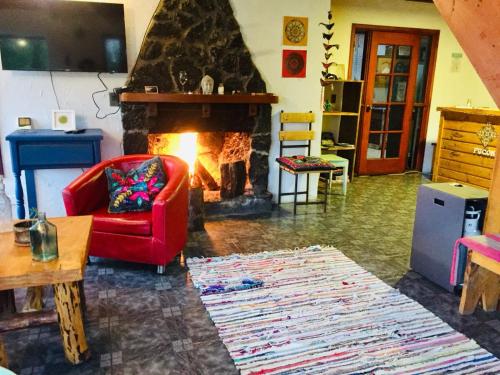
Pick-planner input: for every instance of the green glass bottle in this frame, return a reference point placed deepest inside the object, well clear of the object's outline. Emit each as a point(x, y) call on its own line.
point(43, 236)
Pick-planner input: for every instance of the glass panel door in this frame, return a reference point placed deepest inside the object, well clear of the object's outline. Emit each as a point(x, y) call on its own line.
point(390, 91)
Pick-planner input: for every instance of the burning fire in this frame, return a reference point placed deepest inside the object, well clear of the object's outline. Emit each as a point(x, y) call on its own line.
point(182, 145)
point(187, 149)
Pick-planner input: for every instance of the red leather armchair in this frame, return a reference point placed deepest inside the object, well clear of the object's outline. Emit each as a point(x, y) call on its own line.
point(152, 237)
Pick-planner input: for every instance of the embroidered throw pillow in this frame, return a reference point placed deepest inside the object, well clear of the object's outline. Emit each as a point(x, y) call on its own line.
point(136, 189)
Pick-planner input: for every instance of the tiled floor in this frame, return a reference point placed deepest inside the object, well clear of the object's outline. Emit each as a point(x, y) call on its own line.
point(143, 323)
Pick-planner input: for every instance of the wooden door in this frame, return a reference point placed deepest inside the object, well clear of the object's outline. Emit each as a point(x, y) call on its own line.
point(390, 87)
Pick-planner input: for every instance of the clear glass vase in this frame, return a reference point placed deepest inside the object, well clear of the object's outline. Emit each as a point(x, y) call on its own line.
point(5, 209)
point(43, 237)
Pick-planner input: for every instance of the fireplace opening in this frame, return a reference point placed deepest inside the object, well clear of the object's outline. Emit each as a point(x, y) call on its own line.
point(218, 161)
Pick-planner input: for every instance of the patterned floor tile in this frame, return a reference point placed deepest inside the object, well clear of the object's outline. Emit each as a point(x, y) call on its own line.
point(140, 322)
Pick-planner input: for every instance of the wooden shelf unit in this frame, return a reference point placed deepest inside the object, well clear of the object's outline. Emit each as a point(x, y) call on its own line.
point(338, 113)
point(336, 148)
point(342, 119)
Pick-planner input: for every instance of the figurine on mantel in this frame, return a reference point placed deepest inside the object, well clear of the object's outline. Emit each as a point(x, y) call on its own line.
point(207, 85)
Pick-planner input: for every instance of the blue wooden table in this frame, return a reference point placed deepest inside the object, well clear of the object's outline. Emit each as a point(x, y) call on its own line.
point(49, 149)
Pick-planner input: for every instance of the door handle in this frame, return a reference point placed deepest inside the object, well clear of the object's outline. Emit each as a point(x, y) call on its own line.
point(368, 108)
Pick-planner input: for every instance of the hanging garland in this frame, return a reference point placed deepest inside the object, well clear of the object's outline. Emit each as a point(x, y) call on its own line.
point(327, 63)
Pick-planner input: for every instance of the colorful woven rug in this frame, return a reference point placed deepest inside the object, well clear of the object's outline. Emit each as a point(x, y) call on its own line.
point(315, 311)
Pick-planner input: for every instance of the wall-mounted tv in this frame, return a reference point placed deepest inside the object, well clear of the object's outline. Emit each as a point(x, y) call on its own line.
point(60, 35)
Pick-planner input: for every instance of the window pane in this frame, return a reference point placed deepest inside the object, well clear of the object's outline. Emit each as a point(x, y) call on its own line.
point(396, 117)
point(392, 147)
point(422, 68)
point(384, 58)
point(375, 142)
point(381, 89)
point(403, 56)
point(357, 61)
point(377, 121)
point(399, 88)
point(384, 50)
point(416, 123)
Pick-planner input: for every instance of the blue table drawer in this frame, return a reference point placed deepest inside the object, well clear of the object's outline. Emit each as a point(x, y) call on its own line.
point(56, 155)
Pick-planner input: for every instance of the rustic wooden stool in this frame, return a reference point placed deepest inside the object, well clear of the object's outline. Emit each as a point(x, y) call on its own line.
point(482, 274)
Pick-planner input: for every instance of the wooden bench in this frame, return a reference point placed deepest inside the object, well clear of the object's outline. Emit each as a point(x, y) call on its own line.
point(482, 274)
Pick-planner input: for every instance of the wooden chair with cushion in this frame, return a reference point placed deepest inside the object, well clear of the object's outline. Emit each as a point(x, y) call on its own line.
point(303, 164)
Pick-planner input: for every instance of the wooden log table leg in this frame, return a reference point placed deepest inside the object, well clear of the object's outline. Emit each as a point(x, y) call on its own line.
point(7, 303)
point(69, 311)
point(34, 299)
point(479, 283)
point(4, 362)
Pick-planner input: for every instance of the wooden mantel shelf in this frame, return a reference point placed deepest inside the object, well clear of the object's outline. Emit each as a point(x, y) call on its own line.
point(152, 101)
point(139, 97)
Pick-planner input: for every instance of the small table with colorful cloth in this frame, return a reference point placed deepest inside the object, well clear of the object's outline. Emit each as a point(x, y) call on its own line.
point(482, 272)
point(300, 164)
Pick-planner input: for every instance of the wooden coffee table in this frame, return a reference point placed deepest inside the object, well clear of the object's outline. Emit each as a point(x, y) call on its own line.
point(18, 270)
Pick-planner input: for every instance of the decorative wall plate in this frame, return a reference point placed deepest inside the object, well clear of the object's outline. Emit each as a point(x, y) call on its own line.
point(294, 63)
point(295, 31)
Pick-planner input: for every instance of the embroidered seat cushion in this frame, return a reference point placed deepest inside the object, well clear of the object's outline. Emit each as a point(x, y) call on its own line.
point(308, 163)
point(136, 189)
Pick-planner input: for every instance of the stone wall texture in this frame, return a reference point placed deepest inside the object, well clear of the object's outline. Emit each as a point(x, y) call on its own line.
point(200, 37)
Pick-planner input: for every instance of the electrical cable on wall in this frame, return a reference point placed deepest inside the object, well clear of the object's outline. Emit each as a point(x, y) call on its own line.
point(54, 90)
point(95, 102)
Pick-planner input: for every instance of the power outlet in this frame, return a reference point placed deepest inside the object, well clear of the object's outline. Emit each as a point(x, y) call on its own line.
point(114, 99)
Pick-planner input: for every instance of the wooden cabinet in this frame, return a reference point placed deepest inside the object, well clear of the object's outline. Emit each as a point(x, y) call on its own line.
point(341, 102)
point(466, 146)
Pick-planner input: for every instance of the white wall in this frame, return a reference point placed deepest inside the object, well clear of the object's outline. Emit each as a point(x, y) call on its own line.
point(30, 93)
point(450, 88)
point(261, 25)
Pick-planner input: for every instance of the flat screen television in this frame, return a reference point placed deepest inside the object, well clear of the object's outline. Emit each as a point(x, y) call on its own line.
point(55, 35)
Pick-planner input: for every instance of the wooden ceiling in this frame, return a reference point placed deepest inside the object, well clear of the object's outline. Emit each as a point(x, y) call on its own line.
point(475, 24)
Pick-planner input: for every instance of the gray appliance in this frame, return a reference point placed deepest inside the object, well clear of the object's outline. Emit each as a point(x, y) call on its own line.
point(439, 222)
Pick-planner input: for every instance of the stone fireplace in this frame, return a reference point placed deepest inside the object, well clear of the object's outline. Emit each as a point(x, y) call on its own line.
point(218, 161)
point(231, 132)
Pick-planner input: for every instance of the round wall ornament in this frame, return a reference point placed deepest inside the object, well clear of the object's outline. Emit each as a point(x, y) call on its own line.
point(295, 31)
point(294, 63)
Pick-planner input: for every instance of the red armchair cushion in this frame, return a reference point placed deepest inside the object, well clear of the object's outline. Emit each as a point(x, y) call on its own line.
point(132, 223)
point(135, 189)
